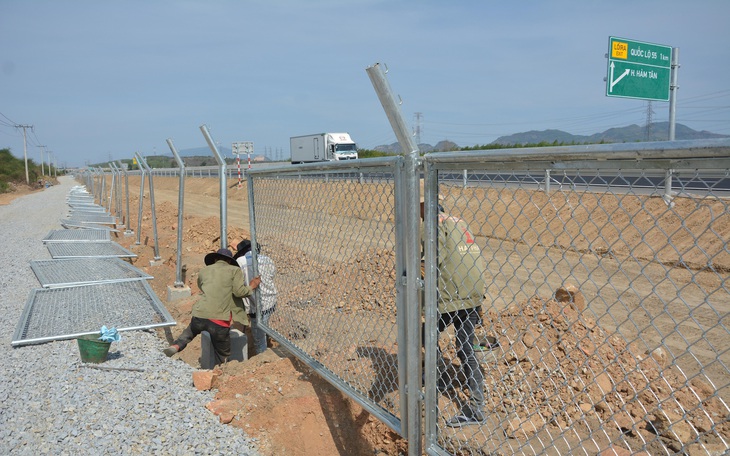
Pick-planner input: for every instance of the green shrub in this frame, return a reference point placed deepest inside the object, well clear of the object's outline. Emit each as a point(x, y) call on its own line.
point(13, 170)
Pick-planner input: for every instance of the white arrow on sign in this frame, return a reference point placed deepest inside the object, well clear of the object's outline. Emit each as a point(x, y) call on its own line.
point(612, 82)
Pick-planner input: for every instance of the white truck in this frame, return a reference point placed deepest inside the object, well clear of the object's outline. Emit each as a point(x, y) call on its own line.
point(322, 147)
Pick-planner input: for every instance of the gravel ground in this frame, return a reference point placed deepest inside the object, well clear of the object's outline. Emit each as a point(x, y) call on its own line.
point(51, 403)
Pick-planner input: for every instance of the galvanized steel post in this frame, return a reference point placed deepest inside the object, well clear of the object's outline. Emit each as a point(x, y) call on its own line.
point(126, 192)
point(673, 87)
point(152, 205)
point(102, 197)
point(411, 275)
point(119, 200)
point(252, 230)
point(180, 198)
point(223, 187)
point(141, 199)
point(113, 188)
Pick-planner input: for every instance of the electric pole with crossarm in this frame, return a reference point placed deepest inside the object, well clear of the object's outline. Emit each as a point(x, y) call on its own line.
point(25, 150)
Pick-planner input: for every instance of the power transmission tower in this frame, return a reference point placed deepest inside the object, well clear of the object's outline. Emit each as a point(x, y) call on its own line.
point(25, 149)
point(649, 115)
point(417, 128)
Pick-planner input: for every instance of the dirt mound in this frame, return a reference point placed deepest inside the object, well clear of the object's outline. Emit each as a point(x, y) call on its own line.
point(559, 369)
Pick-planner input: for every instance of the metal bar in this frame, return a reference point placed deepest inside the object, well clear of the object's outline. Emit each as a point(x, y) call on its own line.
point(112, 188)
point(252, 229)
point(128, 219)
point(430, 301)
point(673, 87)
point(412, 278)
point(400, 291)
point(120, 212)
point(223, 186)
point(180, 207)
point(141, 200)
point(152, 205)
point(102, 198)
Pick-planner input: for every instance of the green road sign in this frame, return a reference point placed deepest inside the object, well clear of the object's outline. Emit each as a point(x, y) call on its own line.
point(638, 70)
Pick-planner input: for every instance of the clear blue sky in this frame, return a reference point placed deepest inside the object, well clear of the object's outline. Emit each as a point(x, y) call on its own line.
point(100, 80)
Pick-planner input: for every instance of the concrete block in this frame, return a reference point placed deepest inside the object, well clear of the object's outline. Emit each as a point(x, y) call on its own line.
point(207, 352)
point(239, 346)
point(175, 293)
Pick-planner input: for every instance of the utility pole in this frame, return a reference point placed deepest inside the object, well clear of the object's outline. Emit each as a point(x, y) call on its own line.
point(25, 149)
point(43, 173)
point(48, 154)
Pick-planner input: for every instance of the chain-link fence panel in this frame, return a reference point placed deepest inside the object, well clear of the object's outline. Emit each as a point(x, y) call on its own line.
point(332, 237)
point(605, 318)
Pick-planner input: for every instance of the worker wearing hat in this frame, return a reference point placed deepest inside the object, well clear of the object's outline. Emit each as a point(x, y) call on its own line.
point(460, 291)
point(219, 281)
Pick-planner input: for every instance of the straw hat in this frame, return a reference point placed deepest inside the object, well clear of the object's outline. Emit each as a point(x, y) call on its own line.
point(221, 254)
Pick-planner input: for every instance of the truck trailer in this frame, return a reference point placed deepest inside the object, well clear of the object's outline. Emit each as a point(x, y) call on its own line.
point(322, 147)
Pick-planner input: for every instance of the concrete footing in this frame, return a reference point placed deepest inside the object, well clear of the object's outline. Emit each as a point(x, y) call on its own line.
point(239, 348)
point(175, 293)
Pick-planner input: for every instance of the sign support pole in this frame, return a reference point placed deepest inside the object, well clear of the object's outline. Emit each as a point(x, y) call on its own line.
point(673, 92)
point(238, 164)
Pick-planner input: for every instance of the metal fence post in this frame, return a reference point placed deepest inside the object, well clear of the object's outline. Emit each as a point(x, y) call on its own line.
point(143, 162)
point(668, 186)
point(223, 187)
point(410, 277)
point(431, 336)
point(180, 198)
point(141, 200)
point(127, 221)
point(112, 189)
point(102, 197)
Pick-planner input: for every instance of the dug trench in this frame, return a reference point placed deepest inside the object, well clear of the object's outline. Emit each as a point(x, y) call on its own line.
point(273, 397)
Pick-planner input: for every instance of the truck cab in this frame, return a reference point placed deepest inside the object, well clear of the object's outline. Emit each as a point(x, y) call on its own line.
point(342, 147)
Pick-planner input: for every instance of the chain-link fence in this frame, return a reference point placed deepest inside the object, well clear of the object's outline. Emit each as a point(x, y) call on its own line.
point(593, 316)
point(332, 237)
point(605, 319)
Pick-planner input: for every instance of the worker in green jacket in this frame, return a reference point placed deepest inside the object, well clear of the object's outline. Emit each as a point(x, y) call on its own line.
point(219, 281)
point(460, 292)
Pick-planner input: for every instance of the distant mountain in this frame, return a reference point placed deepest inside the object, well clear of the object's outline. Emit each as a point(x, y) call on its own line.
point(659, 131)
point(441, 146)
